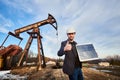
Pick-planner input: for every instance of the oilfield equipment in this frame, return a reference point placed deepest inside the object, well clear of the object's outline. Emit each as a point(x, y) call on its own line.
point(34, 33)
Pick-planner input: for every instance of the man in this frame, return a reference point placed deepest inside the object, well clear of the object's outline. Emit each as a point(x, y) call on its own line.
point(72, 66)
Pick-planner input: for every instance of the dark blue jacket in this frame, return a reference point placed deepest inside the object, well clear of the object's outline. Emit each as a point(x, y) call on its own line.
point(69, 61)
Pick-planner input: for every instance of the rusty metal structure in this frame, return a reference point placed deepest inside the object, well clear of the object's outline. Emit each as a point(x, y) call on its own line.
point(34, 34)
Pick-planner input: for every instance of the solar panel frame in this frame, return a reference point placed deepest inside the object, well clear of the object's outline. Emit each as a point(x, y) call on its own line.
point(86, 52)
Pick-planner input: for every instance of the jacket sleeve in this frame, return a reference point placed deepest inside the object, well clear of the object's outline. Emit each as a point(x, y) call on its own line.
point(61, 52)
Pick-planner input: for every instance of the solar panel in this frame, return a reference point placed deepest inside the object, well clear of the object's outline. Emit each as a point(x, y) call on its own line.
point(86, 52)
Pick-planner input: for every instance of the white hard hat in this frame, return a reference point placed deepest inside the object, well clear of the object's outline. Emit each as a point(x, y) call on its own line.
point(71, 30)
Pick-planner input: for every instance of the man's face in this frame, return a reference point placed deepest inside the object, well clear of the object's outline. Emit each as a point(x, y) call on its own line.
point(71, 36)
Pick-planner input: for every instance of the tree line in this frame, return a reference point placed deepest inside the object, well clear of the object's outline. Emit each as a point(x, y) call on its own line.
point(113, 60)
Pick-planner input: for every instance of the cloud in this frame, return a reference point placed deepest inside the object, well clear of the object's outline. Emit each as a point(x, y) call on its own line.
point(20, 5)
point(97, 23)
point(5, 24)
point(3, 30)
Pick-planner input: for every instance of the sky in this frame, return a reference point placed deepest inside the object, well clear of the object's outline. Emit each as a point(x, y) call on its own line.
point(96, 22)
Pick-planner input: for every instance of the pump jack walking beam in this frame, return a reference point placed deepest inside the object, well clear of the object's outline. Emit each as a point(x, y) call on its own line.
point(50, 20)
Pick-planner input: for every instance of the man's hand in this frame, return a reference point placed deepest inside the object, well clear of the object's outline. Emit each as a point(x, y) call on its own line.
point(67, 47)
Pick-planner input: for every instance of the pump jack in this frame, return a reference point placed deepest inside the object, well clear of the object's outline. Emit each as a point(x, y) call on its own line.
point(34, 34)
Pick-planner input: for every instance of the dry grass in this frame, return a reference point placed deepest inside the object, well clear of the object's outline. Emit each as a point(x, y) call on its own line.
point(56, 74)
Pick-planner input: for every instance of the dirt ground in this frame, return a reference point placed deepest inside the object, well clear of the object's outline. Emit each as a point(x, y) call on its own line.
point(56, 74)
point(90, 74)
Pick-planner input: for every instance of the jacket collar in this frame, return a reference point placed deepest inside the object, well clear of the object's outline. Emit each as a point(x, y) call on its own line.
point(74, 42)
